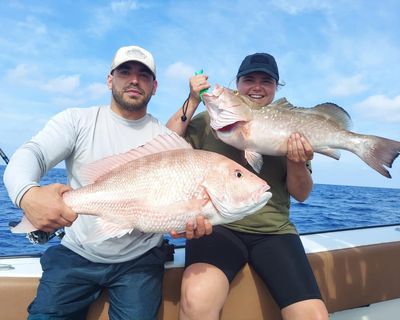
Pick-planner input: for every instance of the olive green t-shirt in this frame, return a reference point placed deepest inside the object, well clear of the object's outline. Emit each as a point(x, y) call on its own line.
point(274, 217)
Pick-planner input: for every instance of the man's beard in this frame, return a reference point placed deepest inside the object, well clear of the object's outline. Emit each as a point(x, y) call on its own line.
point(129, 104)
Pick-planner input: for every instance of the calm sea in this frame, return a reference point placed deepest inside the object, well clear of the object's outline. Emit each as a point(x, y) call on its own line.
point(329, 207)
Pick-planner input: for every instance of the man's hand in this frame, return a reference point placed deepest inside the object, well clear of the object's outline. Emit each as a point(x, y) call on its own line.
point(203, 227)
point(45, 208)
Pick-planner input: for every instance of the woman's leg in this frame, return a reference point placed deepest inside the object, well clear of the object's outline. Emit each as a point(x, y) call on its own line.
point(203, 292)
point(211, 264)
point(281, 262)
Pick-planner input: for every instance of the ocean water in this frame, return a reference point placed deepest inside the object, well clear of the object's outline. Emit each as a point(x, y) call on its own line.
point(329, 207)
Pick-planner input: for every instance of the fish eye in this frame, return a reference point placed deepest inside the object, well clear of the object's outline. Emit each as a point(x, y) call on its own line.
point(238, 174)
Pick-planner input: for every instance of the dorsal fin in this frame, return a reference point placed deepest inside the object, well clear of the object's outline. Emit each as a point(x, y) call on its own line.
point(166, 142)
point(335, 113)
point(282, 103)
point(327, 110)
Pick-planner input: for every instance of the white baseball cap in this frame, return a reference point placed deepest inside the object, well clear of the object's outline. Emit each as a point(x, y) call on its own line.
point(134, 53)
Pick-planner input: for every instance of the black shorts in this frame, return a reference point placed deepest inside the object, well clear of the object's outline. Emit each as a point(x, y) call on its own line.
point(279, 260)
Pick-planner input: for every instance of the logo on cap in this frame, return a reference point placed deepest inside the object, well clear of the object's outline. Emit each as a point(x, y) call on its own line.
point(136, 53)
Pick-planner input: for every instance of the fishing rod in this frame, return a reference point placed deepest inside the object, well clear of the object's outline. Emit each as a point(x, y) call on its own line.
point(4, 156)
point(38, 236)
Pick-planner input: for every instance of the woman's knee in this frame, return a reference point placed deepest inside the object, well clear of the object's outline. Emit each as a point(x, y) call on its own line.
point(313, 309)
point(204, 290)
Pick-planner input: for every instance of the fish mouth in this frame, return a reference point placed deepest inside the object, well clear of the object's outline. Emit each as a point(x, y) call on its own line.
point(262, 195)
point(263, 198)
point(217, 91)
point(260, 199)
point(231, 126)
point(257, 201)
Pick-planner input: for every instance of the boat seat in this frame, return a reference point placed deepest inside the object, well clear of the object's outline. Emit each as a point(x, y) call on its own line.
point(348, 278)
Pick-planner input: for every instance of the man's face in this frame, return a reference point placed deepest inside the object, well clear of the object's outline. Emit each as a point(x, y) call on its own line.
point(132, 85)
point(258, 86)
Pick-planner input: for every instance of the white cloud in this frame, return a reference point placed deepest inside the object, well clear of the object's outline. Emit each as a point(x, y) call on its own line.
point(95, 90)
point(300, 6)
point(31, 76)
point(33, 25)
point(179, 70)
point(380, 108)
point(34, 8)
point(21, 73)
point(123, 6)
point(62, 84)
point(348, 86)
point(105, 18)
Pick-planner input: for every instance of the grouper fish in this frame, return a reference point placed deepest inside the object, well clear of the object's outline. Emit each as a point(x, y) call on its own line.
point(264, 130)
point(162, 185)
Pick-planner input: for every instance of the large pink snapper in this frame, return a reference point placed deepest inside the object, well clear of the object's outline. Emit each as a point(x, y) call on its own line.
point(258, 130)
point(161, 186)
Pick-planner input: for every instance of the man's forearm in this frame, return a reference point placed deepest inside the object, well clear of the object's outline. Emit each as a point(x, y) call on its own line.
point(22, 173)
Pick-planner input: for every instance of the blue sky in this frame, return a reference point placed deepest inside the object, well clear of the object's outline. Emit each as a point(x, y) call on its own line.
point(56, 54)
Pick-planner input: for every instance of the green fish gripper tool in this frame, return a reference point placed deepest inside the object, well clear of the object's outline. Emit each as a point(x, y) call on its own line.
point(204, 90)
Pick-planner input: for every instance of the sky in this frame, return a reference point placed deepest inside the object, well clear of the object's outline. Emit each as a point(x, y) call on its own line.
point(57, 54)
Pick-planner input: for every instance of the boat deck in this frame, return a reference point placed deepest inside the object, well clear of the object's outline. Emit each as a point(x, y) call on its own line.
point(354, 268)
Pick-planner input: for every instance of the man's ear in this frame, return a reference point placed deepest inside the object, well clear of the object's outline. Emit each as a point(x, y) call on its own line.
point(155, 85)
point(109, 81)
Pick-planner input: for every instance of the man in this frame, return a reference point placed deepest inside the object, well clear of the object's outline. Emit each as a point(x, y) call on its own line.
point(74, 272)
point(267, 240)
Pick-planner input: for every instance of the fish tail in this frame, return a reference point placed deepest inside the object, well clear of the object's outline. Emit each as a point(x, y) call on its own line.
point(25, 226)
point(379, 153)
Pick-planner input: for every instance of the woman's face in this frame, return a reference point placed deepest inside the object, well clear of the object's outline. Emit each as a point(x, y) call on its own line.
point(258, 86)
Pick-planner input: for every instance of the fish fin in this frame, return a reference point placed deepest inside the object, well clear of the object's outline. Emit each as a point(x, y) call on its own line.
point(166, 142)
point(186, 209)
point(328, 110)
point(25, 226)
point(254, 159)
point(332, 111)
point(104, 230)
point(106, 227)
point(333, 153)
point(223, 116)
point(378, 152)
point(282, 103)
point(227, 117)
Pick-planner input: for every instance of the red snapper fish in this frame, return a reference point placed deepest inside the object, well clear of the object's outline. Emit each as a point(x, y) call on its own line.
point(162, 185)
point(264, 130)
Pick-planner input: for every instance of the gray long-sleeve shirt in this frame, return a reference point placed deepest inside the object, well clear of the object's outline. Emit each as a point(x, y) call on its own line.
point(81, 136)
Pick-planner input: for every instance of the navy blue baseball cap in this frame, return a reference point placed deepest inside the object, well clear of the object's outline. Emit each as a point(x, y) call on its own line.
point(262, 62)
